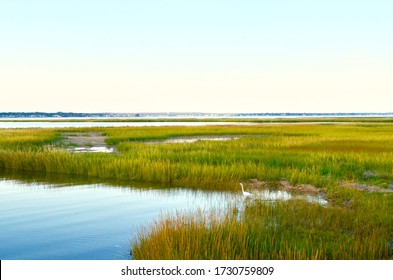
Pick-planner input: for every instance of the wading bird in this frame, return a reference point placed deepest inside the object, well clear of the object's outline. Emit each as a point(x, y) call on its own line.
point(245, 194)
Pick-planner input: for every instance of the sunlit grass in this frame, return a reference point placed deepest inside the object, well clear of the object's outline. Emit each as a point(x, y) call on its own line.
point(282, 230)
point(355, 225)
point(321, 155)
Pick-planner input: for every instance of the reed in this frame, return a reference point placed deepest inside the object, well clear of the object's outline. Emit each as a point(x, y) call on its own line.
point(284, 230)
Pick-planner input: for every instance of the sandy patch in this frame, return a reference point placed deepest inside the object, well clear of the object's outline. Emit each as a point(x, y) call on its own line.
point(367, 188)
point(299, 188)
point(82, 142)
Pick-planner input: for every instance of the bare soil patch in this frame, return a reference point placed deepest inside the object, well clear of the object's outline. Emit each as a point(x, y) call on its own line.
point(367, 188)
point(285, 185)
point(86, 142)
point(299, 188)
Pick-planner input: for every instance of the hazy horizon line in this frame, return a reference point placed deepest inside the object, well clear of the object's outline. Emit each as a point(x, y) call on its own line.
point(193, 112)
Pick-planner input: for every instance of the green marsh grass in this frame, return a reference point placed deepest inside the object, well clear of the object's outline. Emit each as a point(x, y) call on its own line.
point(284, 230)
point(355, 225)
point(321, 155)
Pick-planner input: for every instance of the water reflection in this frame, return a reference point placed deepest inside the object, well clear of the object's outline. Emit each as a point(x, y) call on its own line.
point(274, 195)
point(192, 139)
point(92, 150)
point(85, 221)
point(46, 216)
point(271, 195)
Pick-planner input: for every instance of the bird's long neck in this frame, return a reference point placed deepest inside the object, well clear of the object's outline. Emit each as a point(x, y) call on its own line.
point(242, 187)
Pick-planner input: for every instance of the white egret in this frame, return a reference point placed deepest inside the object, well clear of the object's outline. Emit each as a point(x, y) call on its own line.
point(245, 194)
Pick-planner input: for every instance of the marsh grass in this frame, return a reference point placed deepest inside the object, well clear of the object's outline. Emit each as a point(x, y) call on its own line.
point(355, 225)
point(279, 231)
point(324, 156)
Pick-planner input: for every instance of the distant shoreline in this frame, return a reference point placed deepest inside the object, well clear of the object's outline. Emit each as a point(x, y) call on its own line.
point(179, 115)
point(229, 120)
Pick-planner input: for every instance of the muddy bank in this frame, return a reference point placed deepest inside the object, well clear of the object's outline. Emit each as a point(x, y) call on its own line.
point(285, 185)
point(367, 188)
point(86, 142)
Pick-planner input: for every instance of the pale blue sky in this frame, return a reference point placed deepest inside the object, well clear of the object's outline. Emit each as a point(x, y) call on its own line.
point(199, 56)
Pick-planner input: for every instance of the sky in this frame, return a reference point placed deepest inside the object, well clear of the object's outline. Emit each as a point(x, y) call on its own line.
point(219, 56)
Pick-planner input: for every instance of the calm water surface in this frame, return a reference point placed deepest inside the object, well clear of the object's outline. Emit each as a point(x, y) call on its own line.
point(93, 221)
point(44, 216)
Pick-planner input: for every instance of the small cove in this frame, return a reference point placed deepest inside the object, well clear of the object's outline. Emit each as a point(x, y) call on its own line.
point(62, 220)
point(93, 221)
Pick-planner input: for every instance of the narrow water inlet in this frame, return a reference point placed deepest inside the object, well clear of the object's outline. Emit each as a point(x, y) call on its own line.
point(276, 195)
point(86, 221)
point(192, 139)
point(98, 149)
point(54, 220)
